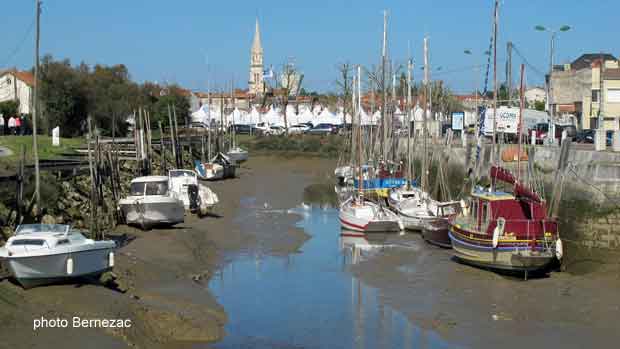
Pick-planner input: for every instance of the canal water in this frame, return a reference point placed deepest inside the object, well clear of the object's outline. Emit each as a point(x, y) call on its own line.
point(310, 299)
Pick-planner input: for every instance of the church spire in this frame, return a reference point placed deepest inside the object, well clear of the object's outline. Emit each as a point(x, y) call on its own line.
point(256, 45)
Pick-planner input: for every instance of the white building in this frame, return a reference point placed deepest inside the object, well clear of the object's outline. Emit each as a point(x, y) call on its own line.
point(535, 94)
point(17, 86)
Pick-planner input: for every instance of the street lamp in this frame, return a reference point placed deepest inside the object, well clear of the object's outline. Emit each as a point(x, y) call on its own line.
point(553, 33)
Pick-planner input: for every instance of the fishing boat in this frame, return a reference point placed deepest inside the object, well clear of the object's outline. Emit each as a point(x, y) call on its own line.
point(501, 230)
point(196, 196)
point(41, 254)
point(152, 203)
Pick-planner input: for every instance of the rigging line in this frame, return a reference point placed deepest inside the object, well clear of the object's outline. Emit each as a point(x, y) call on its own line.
point(531, 66)
point(19, 45)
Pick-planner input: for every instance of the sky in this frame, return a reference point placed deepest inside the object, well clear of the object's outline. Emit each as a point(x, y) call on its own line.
point(201, 43)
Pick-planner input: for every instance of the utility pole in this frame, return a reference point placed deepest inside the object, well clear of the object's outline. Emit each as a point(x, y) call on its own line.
point(601, 94)
point(35, 109)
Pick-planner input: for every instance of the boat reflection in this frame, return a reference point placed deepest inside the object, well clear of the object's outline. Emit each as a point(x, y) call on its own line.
point(356, 247)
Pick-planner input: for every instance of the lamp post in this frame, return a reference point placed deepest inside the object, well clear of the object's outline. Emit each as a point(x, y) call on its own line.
point(553, 33)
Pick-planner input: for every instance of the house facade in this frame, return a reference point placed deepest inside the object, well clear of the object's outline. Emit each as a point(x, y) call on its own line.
point(17, 86)
point(576, 91)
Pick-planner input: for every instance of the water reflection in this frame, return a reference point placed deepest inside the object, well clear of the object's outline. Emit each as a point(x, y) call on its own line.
point(309, 299)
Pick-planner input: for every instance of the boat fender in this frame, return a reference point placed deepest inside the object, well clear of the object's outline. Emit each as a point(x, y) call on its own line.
point(498, 231)
point(559, 250)
point(69, 266)
point(111, 259)
point(464, 208)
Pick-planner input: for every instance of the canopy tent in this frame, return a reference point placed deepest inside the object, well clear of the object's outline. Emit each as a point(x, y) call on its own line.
point(273, 117)
point(327, 117)
point(235, 117)
point(291, 116)
point(205, 114)
point(305, 116)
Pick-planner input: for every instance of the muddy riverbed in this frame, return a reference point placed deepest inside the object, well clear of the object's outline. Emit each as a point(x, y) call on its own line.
point(270, 270)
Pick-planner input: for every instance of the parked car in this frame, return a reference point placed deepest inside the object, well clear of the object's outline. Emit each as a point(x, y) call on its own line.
point(262, 128)
point(571, 131)
point(322, 129)
point(276, 130)
point(585, 136)
point(298, 129)
point(245, 129)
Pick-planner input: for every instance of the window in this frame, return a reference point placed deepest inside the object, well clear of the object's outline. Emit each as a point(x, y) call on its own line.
point(613, 95)
point(485, 215)
point(137, 189)
point(156, 188)
point(28, 242)
point(62, 242)
point(595, 94)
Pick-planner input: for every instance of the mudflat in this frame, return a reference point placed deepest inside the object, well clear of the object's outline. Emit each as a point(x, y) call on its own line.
point(163, 274)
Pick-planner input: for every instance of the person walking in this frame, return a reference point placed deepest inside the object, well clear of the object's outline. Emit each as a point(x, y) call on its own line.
point(11, 125)
point(18, 126)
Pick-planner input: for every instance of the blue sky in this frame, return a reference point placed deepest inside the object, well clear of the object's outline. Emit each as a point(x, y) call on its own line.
point(171, 41)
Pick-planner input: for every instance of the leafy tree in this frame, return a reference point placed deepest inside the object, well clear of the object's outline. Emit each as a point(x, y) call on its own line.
point(539, 105)
point(9, 108)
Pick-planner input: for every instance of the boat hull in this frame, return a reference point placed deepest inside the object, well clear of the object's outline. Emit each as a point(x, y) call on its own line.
point(368, 218)
point(237, 157)
point(436, 232)
point(148, 215)
point(503, 257)
point(32, 271)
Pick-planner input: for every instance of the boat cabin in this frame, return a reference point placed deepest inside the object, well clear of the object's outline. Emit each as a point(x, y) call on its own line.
point(150, 185)
point(523, 216)
point(32, 237)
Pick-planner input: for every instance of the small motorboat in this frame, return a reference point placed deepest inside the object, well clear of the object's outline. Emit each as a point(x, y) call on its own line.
point(196, 196)
point(151, 203)
point(237, 155)
point(220, 167)
point(411, 206)
point(40, 254)
point(209, 171)
point(365, 216)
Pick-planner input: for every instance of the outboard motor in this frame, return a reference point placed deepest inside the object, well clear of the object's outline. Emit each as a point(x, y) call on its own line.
point(194, 199)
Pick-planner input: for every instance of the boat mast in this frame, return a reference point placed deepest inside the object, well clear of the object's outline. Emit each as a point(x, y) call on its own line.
point(408, 110)
point(424, 179)
point(521, 103)
point(232, 100)
point(495, 25)
point(353, 111)
point(35, 109)
point(392, 112)
point(359, 127)
point(384, 89)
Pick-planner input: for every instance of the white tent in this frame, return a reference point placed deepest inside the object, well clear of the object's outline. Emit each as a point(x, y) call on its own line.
point(305, 116)
point(327, 117)
point(291, 116)
point(204, 114)
point(273, 117)
point(317, 110)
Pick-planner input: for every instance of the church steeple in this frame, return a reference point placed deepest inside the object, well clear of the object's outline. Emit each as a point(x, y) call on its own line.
point(256, 45)
point(256, 84)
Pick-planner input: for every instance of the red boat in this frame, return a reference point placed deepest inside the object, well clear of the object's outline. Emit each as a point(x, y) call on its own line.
point(510, 231)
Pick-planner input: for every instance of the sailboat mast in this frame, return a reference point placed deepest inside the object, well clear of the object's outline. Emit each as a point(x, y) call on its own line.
point(392, 112)
point(495, 25)
point(521, 103)
point(409, 164)
point(425, 127)
point(35, 109)
point(384, 89)
point(359, 128)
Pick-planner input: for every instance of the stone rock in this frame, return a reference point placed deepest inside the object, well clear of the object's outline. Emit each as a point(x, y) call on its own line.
point(47, 219)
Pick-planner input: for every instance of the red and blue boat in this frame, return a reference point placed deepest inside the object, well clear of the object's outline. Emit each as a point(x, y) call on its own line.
point(507, 231)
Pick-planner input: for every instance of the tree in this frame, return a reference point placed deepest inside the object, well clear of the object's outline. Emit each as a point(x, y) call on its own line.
point(539, 105)
point(9, 108)
point(345, 83)
point(290, 84)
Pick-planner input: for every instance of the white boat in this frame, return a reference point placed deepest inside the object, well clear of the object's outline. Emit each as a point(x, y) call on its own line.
point(237, 155)
point(364, 216)
point(151, 203)
point(40, 254)
point(209, 171)
point(196, 196)
point(411, 205)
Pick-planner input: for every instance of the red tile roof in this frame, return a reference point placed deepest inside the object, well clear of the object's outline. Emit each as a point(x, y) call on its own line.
point(26, 77)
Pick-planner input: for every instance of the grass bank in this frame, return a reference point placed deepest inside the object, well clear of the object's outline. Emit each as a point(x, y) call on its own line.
point(300, 145)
